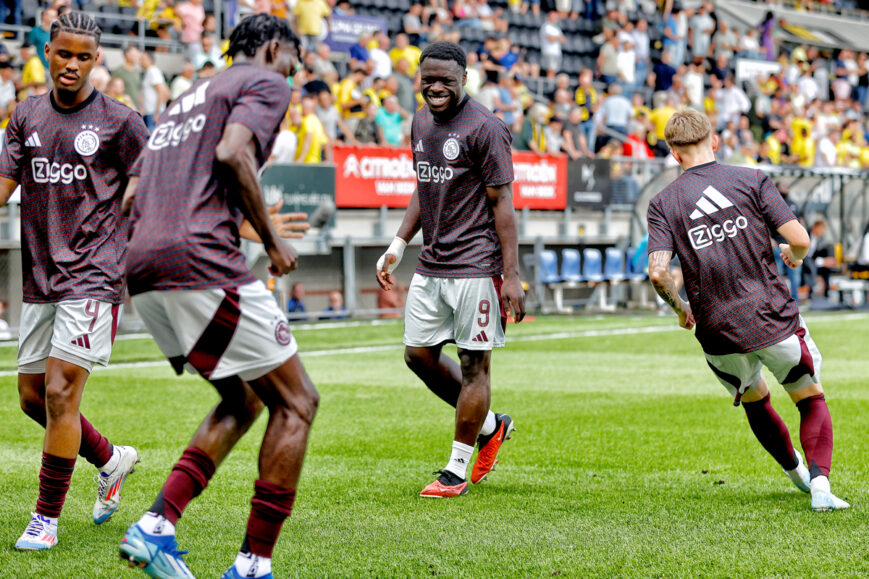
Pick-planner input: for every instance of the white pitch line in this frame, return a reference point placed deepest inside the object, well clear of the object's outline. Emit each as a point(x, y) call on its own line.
point(533, 338)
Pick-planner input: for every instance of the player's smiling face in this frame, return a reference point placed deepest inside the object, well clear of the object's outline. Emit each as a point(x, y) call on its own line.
point(70, 60)
point(442, 84)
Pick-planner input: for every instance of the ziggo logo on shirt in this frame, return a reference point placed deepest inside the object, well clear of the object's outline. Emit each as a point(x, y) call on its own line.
point(46, 171)
point(427, 173)
point(704, 235)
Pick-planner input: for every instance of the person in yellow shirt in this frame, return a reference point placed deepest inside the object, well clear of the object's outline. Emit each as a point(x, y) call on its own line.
point(404, 49)
point(33, 73)
point(349, 97)
point(309, 15)
point(312, 138)
point(804, 147)
point(662, 112)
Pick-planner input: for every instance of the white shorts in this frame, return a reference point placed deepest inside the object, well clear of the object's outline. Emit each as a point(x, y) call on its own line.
point(466, 311)
point(219, 332)
point(80, 332)
point(795, 362)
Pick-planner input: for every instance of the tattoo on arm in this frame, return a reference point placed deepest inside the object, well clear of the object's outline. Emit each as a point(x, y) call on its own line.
point(662, 281)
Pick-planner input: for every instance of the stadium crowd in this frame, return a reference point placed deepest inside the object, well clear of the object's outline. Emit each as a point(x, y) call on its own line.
point(811, 112)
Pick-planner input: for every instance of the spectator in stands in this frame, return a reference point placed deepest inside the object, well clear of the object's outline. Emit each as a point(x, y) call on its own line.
point(636, 145)
point(39, 35)
point(379, 53)
point(405, 91)
point(551, 39)
point(323, 66)
point(725, 42)
point(732, 102)
point(312, 138)
point(575, 142)
point(183, 81)
point(615, 111)
point(207, 50)
point(664, 109)
point(562, 104)
point(367, 131)
point(404, 50)
point(587, 100)
point(861, 91)
point(702, 28)
point(131, 74)
point(674, 42)
point(413, 26)
point(767, 36)
point(33, 76)
point(118, 91)
point(331, 119)
point(350, 99)
point(336, 309)
point(553, 134)
point(10, 12)
point(7, 84)
point(642, 50)
point(505, 99)
point(192, 16)
point(155, 93)
point(207, 70)
point(389, 119)
point(489, 91)
point(359, 55)
point(284, 149)
point(827, 156)
point(663, 73)
point(296, 303)
point(820, 260)
point(309, 16)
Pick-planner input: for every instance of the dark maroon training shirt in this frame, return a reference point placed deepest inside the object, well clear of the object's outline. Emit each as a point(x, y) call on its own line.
point(717, 219)
point(187, 209)
point(72, 165)
point(455, 160)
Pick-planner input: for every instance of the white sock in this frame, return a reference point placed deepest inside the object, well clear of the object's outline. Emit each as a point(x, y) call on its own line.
point(489, 424)
point(113, 462)
point(250, 565)
point(155, 524)
point(459, 459)
point(820, 484)
point(51, 520)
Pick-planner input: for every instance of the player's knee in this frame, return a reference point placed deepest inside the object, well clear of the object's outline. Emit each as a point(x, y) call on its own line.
point(416, 359)
point(60, 396)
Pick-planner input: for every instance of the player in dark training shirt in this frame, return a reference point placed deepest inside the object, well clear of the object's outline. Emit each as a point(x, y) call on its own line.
point(464, 205)
point(71, 151)
point(717, 219)
point(196, 181)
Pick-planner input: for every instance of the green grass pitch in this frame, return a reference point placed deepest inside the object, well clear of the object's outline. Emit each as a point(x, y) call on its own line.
point(629, 460)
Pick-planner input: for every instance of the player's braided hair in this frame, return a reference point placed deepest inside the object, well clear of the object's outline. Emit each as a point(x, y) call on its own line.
point(256, 30)
point(76, 23)
point(443, 50)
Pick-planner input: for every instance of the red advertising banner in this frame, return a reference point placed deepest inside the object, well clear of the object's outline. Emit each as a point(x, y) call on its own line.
point(371, 177)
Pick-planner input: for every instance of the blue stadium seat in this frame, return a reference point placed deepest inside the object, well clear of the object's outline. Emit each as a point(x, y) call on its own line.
point(592, 265)
point(570, 265)
point(548, 267)
point(629, 266)
point(614, 265)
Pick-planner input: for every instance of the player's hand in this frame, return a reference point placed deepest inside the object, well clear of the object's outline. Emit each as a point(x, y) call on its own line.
point(788, 257)
point(686, 318)
point(288, 225)
point(388, 262)
point(513, 297)
point(284, 258)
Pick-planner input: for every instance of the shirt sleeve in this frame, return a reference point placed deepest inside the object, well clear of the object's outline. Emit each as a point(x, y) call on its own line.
point(493, 150)
point(13, 146)
point(660, 234)
point(132, 141)
point(261, 109)
point(774, 208)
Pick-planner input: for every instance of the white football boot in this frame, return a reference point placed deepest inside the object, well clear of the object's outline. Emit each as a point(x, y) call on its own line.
point(110, 484)
point(39, 535)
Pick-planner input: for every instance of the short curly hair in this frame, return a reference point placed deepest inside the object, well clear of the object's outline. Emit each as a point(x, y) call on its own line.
point(443, 50)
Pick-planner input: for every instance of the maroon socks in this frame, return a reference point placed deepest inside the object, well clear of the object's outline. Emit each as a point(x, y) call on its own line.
point(95, 447)
point(816, 434)
point(189, 477)
point(270, 506)
point(54, 477)
point(771, 431)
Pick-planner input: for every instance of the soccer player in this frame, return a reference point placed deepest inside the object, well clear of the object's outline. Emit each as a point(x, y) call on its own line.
point(717, 218)
point(190, 283)
point(464, 204)
point(71, 150)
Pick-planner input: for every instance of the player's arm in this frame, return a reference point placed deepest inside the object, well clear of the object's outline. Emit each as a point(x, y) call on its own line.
point(662, 281)
point(797, 247)
point(236, 150)
point(288, 225)
point(409, 227)
point(7, 188)
point(501, 200)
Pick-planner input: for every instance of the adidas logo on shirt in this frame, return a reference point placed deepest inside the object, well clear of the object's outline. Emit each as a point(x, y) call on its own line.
point(711, 203)
point(33, 140)
point(418, 148)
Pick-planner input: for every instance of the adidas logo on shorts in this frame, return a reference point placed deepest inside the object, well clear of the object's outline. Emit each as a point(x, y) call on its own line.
point(481, 337)
point(82, 341)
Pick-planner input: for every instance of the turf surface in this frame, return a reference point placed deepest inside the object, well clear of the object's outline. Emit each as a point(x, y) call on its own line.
point(629, 460)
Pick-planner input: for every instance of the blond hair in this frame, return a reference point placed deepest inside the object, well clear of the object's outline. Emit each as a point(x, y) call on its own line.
point(686, 128)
